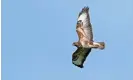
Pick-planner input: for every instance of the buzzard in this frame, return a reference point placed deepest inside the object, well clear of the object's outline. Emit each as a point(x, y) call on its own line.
point(85, 42)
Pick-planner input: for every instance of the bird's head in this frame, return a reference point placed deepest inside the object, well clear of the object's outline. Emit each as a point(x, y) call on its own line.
point(77, 44)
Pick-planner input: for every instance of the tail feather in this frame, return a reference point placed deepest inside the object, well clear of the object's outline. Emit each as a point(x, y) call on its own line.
point(101, 45)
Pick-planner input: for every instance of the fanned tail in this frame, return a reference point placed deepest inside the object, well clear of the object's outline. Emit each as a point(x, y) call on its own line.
point(100, 45)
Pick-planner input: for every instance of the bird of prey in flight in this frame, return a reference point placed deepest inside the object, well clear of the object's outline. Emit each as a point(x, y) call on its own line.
point(85, 42)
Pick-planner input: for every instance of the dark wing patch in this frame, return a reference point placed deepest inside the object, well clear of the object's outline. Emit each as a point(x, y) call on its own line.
point(84, 10)
point(80, 55)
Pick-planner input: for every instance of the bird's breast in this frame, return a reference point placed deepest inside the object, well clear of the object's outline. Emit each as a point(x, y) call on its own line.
point(84, 44)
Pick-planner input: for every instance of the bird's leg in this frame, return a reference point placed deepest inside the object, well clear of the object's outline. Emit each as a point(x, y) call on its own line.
point(77, 44)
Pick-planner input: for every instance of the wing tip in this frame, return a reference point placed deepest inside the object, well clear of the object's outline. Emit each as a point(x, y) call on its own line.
point(80, 66)
point(85, 9)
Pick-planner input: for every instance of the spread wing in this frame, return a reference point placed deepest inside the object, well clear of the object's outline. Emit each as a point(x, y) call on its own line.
point(86, 25)
point(80, 55)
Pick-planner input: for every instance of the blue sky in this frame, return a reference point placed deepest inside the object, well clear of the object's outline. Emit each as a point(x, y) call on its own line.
point(37, 37)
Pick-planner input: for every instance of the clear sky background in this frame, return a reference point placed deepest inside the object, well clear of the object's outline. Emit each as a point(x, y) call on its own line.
point(37, 37)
